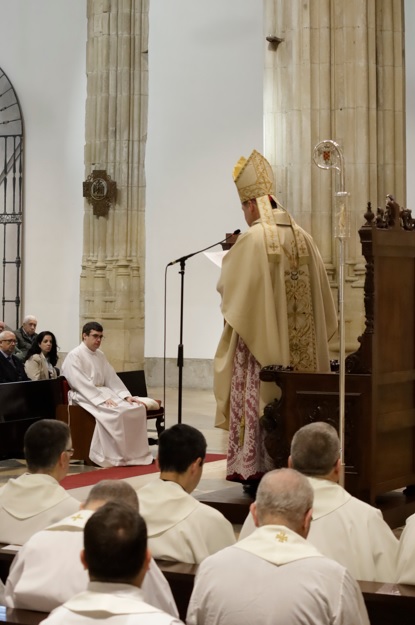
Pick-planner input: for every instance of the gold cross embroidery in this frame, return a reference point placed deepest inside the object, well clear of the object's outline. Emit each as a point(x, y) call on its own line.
point(282, 537)
point(76, 517)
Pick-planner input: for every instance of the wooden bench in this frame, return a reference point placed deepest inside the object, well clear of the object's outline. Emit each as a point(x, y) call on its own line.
point(21, 404)
point(12, 616)
point(181, 577)
point(387, 604)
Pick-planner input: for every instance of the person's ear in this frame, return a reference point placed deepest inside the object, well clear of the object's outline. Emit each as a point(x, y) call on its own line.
point(147, 559)
point(195, 466)
point(290, 462)
point(62, 459)
point(83, 559)
point(253, 511)
point(307, 522)
point(337, 469)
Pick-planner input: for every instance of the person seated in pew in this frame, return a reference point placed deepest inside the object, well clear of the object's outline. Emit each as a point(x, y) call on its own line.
point(11, 369)
point(343, 528)
point(116, 556)
point(42, 357)
point(34, 500)
point(181, 528)
point(275, 576)
point(25, 336)
point(36, 574)
point(406, 553)
point(120, 435)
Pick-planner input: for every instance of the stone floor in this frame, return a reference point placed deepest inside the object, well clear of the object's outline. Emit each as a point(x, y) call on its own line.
point(198, 409)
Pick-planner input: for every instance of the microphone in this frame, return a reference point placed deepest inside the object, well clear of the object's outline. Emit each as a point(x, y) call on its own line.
point(183, 259)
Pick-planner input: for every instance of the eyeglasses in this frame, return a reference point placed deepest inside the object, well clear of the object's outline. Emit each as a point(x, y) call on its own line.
point(8, 341)
point(97, 336)
point(70, 451)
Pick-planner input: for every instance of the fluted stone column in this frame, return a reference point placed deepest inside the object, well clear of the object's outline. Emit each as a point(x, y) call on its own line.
point(112, 278)
point(338, 74)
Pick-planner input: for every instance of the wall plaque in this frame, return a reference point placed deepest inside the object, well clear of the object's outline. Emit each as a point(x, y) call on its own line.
point(100, 191)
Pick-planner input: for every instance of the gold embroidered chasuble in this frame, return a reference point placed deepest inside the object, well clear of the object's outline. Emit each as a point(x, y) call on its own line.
point(279, 303)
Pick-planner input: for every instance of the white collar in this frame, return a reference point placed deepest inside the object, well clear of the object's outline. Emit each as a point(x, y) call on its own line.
point(328, 496)
point(111, 598)
point(277, 544)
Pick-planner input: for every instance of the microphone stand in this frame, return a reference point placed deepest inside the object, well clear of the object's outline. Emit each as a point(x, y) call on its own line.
point(180, 351)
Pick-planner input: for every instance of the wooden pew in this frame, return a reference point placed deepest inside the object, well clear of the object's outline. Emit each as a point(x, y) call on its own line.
point(6, 559)
point(10, 616)
point(21, 404)
point(181, 577)
point(387, 604)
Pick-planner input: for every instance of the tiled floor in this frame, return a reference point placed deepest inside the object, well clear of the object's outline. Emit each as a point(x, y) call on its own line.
point(198, 409)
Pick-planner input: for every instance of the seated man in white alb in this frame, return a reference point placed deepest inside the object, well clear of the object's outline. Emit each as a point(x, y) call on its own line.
point(180, 527)
point(120, 435)
point(35, 578)
point(116, 556)
point(343, 528)
point(275, 576)
point(34, 500)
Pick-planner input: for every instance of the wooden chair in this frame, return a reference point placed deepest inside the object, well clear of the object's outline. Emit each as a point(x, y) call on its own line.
point(82, 423)
point(135, 381)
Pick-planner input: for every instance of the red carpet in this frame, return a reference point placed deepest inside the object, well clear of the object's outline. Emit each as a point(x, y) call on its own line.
point(117, 473)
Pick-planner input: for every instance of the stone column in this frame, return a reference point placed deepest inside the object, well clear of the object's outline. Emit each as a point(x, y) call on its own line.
point(112, 278)
point(338, 74)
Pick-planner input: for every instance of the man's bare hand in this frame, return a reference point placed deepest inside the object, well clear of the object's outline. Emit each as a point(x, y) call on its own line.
point(134, 400)
point(110, 403)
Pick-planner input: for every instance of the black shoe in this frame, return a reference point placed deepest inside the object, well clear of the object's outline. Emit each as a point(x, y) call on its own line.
point(250, 488)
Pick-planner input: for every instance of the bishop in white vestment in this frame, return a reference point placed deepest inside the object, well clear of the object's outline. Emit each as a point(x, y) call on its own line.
point(278, 309)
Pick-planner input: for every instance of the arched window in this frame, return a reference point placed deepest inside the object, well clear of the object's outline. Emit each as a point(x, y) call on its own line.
point(11, 202)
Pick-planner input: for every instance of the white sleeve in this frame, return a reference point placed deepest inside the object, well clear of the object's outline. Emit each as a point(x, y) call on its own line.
point(352, 609)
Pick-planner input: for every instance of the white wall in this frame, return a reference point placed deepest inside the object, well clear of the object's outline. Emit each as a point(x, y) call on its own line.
point(205, 111)
point(42, 51)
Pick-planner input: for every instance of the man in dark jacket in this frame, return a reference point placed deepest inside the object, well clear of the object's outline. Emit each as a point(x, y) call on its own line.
point(11, 368)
